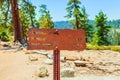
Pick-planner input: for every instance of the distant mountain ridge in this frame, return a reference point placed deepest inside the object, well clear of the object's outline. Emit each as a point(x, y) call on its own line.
point(67, 25)
point(63, 25)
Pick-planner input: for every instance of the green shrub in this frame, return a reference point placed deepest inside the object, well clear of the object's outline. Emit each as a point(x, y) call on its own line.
point(96, 47)
point(91, 47)
point(115, 48)
point(4, 35)
point(101, 48)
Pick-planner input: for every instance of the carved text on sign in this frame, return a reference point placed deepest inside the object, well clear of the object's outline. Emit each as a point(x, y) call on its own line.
point(48, 39)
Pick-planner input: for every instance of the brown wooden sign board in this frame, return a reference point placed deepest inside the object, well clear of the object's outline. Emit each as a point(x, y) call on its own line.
point(48, 39)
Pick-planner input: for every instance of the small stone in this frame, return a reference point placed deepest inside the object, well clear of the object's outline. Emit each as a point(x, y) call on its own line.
point(67, 72)
point(27, 52)
point(80, 63)
point(42, 72)
point(49, 61)
point(21, 48)
point(24, 49)
point(33, 58)
point(6, 45)
point(72, 58)
point(50, 56)
point(63, 59)
point(89, 65)
point(40, 52)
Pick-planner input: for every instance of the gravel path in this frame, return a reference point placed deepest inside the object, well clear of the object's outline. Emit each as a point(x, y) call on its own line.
point(15, 64)
point(87, 78)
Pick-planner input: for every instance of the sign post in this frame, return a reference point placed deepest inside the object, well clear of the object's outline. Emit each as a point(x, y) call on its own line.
point(47, 39)
point(56, 64)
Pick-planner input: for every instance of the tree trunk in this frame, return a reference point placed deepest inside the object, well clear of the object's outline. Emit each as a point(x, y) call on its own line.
point(77, 24)
point(32, 23)
point(16, 21)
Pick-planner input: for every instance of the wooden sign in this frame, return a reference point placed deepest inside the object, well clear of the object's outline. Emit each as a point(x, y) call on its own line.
point(48, 39)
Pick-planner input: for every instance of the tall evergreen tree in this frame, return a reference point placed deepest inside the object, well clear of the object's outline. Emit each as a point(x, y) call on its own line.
point(84, 23)
point(89, 33)
point(45, 19)
point(114, 36)
point(101, 33)
point(77, 14)
point(15, 16)
point(25, 19)
point(84, 19)
point(5, 12)
point(30, 11)
point(73, 9)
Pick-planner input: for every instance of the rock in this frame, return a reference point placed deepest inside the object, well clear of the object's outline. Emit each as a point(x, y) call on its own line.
point(89, 65)
point(33, 58)
point(27, 52)
point(50, 56)
point(67, 64)
point(72, 58)
point(22, 48)
point(67, 72)
point(40, 52)
point(81, 63)
point(44, 53)
point(6, 45)
point(49, 61)
point(63, 59)
point(42, 72)
point(36, 51)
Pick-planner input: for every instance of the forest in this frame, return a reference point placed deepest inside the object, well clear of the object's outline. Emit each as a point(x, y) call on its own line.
point(99, 32)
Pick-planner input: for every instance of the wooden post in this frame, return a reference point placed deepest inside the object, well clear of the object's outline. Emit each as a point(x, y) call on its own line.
point(56, 64)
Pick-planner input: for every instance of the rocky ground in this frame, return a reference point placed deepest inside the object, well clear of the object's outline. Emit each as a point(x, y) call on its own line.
point(21, 64)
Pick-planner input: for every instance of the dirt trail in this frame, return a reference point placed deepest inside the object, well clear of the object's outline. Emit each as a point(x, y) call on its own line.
point(15, 65)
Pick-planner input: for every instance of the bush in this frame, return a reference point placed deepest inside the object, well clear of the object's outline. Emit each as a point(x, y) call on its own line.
point(115, 48)
point(4, 35)
point(96, 47)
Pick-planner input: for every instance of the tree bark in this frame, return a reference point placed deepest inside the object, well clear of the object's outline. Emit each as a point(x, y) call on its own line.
point(16, 21)
point(77, 23)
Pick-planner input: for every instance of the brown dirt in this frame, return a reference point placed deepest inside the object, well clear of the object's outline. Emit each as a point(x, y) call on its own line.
point(15, 64)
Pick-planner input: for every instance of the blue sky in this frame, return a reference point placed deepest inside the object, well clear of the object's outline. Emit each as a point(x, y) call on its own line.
point(57, 8)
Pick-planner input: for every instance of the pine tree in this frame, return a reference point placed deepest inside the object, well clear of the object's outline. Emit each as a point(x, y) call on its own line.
point(15, 17)
point(45, 20)
point(27, 16)
point(77, 14)
point(101, 33)
point(29, 8)
point(74, 12)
